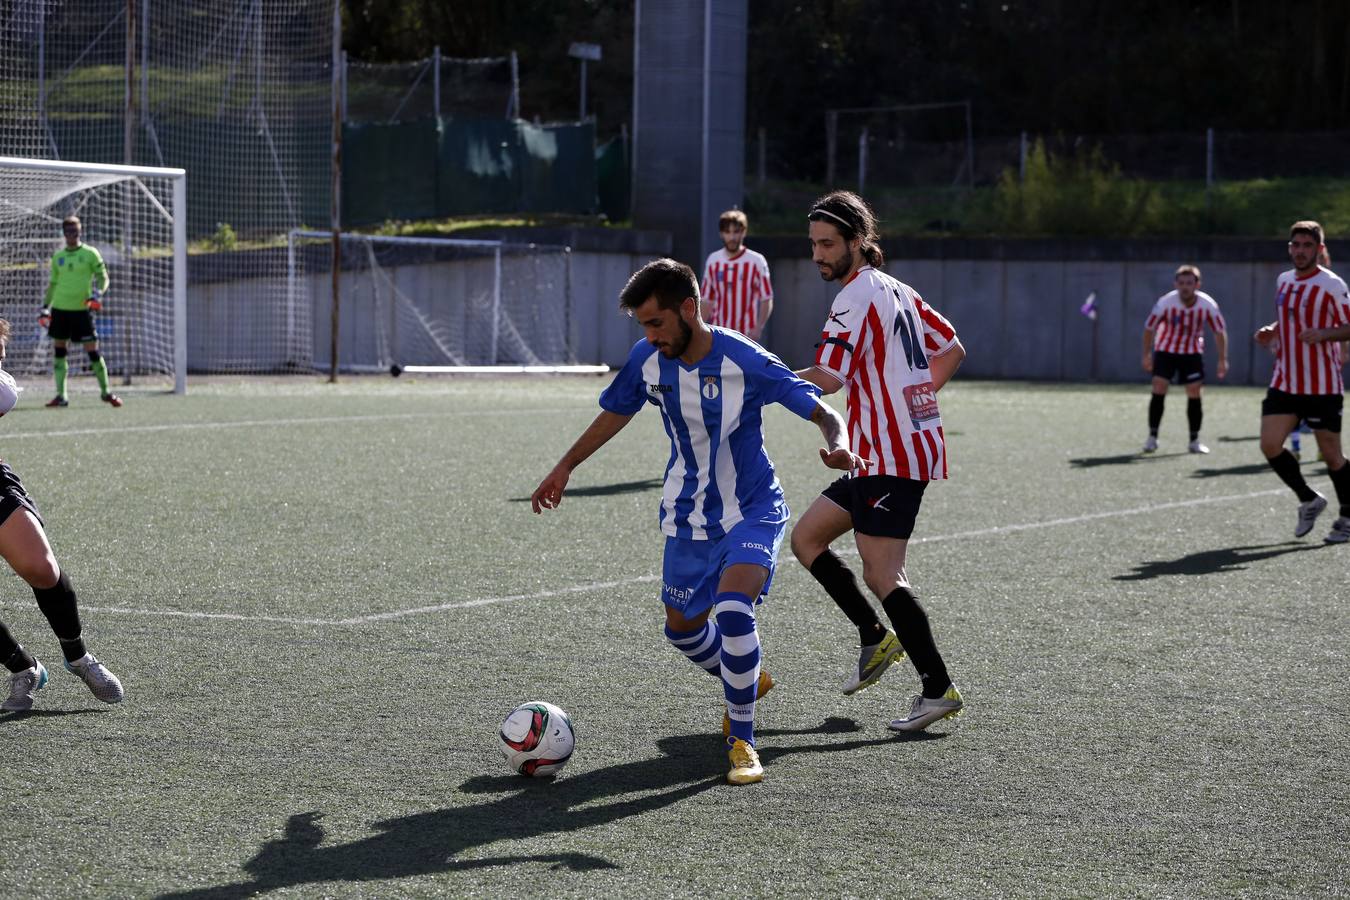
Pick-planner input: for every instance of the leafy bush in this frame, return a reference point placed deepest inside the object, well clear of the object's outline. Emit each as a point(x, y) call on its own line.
point(224, 237)
point(1079, 194)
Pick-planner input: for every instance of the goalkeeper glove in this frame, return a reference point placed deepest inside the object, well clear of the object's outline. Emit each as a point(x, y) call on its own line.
point(94, 303)
point(45, 317)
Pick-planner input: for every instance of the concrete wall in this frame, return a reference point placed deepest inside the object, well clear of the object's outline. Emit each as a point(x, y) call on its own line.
point(1014, 304)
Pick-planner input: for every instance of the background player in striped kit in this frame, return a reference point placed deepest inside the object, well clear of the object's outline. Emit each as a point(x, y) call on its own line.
point(737, 293)
point(893, 353)
point(1174, 346)
point(1312, 318)
point(722, 509)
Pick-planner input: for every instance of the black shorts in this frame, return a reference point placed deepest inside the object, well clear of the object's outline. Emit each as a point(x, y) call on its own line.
point(1322, 412)
point(72, 325)
point(12, 495)
point(881, 505)
point(1181, 368)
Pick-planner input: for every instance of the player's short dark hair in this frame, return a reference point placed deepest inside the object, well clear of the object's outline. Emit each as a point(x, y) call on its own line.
point(730, 218)
point(70, 220)
point(850, 214)
point(1308, 227)
point(668, 280)
point(1188, 269)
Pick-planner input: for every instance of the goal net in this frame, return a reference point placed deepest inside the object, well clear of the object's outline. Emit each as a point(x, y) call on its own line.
point(437, 304)
point(136, 218)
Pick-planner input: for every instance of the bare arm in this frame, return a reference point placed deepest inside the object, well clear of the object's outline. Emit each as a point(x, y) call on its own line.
point(835, 454)
point(549, 493)
point(827, 383)
point(1323, 335)
point(943, 366)
point(1265, 334)
point(762, 313)
point(1148, 350)
point(1221, 342)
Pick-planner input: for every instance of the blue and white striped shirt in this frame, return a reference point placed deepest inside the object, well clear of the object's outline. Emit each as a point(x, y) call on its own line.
point(719, 472)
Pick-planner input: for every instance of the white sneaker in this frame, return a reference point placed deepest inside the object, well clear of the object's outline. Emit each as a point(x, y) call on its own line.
point(1150, 444)
point(1308, 513)
point(924, 712)
point(102, 683)
point(1339, 533)
point(1197, 447)
point(22, 686)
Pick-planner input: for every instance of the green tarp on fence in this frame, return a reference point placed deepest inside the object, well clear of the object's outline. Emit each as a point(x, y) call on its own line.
point(435, 169)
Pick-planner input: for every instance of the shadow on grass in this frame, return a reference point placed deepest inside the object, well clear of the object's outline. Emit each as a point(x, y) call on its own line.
point(607, 490)
point(1124, 459)
point(1243, 439)
point(1206, 562)
point(430, 843)
point(1256, 468)
point(48, 714)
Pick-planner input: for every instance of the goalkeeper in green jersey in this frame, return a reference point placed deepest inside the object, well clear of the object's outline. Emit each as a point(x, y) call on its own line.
point(74, 294)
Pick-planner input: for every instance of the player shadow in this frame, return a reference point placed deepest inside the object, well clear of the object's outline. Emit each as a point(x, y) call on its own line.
point(1256, 468)
point(1123, 459)
point(607, 490)
point(436, 842)
point(1207, 562)
point(1246, 438)
point(48, 714)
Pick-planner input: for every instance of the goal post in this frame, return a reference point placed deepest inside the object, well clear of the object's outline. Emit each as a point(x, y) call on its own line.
point(136, 217)
point(440, 305)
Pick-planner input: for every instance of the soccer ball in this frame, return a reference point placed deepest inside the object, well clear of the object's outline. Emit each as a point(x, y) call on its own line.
point(537, 739)
point(9, 392)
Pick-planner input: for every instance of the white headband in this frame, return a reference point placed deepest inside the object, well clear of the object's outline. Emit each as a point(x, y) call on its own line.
point(826, 212)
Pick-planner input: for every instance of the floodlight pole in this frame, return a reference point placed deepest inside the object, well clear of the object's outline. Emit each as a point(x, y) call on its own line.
point(335, 210)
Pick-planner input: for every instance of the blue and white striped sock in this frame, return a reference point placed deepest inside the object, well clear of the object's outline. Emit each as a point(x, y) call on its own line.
point(702, 645)
point(740, 661)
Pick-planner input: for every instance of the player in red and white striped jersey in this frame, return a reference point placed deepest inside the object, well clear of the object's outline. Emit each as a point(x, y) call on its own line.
point(1174, 346)
point(737, 293)
point(1312, 316)
point(893, 353)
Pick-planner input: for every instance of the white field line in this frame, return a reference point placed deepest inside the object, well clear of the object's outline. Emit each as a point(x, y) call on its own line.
point(264, 423)
point(642, 579)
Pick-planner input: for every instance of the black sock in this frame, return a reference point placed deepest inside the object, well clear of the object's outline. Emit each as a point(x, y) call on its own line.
point(16, 658)
point(1341, 480)
point(1286, 467)
point(842, 586)
point(1155, 411)
point(911, 626)
point(1194, 414)
point(58, 605)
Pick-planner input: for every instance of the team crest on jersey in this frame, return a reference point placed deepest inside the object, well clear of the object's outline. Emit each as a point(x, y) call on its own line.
point(710, 389)
point(60, 261)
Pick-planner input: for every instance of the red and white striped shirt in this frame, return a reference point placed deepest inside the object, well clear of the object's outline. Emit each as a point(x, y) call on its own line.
point(877, 340)
point(1316, 300)
point(734, 287)
point(1178, 328)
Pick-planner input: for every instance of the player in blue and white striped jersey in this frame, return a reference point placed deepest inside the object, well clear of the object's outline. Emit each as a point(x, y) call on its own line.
point(722, 509)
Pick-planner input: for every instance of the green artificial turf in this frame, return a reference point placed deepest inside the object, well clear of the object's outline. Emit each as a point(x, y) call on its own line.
point(1155, 669)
